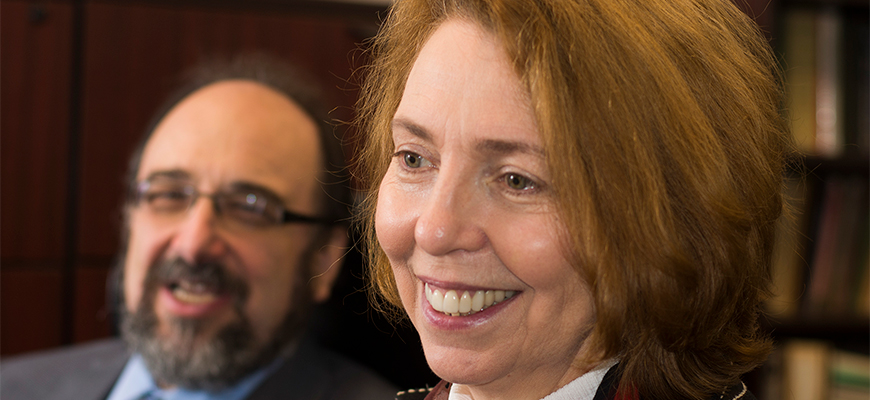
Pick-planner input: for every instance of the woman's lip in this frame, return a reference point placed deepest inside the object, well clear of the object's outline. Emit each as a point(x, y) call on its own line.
point(457, 286)
point(451, 323)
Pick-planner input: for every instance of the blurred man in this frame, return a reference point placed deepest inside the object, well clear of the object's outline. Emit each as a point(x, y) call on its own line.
point(234, 227)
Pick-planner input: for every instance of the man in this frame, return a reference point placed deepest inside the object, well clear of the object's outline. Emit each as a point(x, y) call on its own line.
point(234, 228)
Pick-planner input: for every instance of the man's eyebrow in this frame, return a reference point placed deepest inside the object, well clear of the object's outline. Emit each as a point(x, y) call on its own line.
point(413, 129)
point(177, 174)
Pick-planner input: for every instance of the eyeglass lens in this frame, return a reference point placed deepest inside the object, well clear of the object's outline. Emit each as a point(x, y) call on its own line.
point(248, 205)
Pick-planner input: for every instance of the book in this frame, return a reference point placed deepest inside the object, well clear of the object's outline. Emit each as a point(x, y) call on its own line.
point(799, 59)
point(817, 73)
point(829, 135)
point(788, 264)
point(846, 256)
point(822, 266)
point(861, 286)
point(856, 82)
point(850, 376)
point(805, 370)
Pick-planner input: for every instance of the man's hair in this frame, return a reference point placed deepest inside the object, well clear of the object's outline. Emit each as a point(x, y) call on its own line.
point(664, 139)
point(286, 80)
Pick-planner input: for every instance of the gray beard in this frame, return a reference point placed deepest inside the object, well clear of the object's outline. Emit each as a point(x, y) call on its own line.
point(183, 358)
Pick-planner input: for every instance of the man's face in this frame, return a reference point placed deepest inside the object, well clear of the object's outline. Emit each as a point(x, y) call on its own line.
point(200, 284)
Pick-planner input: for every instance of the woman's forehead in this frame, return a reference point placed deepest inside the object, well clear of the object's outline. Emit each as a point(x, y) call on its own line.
point(462, 81)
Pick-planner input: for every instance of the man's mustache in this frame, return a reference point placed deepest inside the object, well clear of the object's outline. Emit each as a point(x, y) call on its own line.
point(209, 276)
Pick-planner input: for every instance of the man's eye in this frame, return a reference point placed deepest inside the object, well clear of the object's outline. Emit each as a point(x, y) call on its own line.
point(247, 202)
point(252, 208)
point(166, 195)
point(519, 182)
point(167, 199)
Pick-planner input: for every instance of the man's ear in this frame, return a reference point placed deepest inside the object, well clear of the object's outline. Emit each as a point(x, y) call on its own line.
point(326, 264)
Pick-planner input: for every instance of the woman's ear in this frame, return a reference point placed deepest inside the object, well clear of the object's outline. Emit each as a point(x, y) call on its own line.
point(326, 264)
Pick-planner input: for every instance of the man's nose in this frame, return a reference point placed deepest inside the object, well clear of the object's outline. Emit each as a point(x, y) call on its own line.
point(449, 218)
point(197, 235)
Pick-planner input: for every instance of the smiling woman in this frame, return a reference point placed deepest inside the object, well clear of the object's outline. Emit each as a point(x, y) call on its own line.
point(465, 208)
point(574, 198)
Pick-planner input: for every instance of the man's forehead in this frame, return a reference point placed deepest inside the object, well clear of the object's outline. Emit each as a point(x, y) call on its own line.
point(237, 130)
point(248, 106)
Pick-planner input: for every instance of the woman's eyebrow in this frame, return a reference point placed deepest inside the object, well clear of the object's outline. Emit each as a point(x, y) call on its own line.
point(412, 128)
point(484, 146)
point(508, 147)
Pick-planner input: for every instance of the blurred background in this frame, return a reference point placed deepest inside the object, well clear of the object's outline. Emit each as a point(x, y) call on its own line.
point(80, 78)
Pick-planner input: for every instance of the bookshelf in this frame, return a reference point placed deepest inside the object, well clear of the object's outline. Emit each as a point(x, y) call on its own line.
point(820, 313)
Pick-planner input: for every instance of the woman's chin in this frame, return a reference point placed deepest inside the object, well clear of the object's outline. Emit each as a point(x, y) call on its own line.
point(462, 366)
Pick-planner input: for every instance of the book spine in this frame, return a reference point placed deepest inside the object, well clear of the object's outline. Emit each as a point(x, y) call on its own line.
point(829, 103)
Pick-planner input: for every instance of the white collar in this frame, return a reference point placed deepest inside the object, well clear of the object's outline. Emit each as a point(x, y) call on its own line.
point(582, 388)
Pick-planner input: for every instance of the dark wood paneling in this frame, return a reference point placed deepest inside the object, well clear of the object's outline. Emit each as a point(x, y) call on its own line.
point(134, 52)
point(92, 314)
point(130, 55)
point(30, 308)
point(763, 12)
point(34, 103)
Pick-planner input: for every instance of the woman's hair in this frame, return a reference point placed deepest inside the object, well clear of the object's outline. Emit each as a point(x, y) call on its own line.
point(666, 147)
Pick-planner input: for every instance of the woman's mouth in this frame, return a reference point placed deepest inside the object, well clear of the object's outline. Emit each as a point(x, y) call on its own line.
point(464, 302)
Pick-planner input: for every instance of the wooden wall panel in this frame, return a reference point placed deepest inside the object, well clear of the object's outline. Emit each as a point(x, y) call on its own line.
point(35, 84)
point(130, 55)
point(133, 55)
point(92, 314)
point(30, 309)
point(35, 105)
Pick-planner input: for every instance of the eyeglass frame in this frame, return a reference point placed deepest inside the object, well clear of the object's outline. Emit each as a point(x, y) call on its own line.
point(137, 194)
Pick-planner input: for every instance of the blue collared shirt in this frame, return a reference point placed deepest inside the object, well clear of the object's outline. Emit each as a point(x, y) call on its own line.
point(135, 381)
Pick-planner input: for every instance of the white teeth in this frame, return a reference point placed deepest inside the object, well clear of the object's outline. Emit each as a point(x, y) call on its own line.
point(193, 292)
point(465, 303)
point(192, 298)
point(477, 300)
point(452, 303)
point(437, 300)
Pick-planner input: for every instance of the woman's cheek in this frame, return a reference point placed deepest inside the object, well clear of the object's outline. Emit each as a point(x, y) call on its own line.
point(394, 222)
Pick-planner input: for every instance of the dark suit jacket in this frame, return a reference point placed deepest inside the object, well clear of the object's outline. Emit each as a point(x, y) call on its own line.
point(88, 372)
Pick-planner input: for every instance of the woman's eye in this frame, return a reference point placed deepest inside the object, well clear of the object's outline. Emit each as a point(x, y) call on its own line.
point(413, 160)
point(519, 182)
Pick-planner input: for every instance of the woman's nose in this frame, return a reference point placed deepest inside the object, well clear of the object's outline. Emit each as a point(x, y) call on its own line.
point(450, 219)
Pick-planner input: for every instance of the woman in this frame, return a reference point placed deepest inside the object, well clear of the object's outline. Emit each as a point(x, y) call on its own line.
point(575, 197)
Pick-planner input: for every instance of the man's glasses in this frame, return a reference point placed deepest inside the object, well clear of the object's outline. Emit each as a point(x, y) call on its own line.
point(245, 204)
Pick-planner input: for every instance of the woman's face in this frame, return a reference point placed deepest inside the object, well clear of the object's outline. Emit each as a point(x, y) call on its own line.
point(466, 217)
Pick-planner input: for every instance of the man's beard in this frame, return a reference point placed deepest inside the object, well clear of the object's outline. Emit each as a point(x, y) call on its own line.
point(183, 358)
